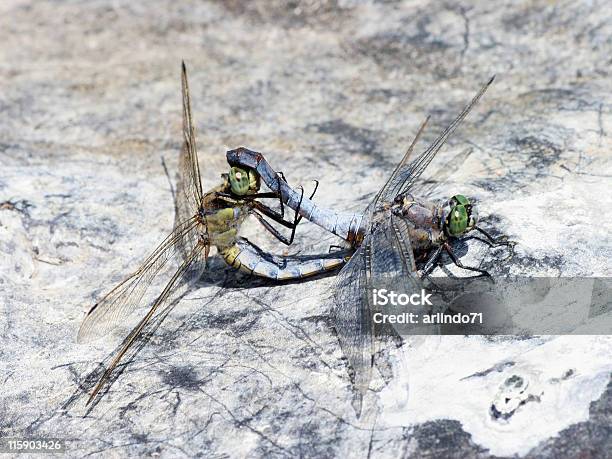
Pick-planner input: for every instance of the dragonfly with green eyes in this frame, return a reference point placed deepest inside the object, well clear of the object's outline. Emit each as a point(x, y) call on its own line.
point(202, 221)
point(397, 230)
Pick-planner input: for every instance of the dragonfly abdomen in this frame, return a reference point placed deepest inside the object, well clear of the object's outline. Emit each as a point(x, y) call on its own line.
point(249, 258)
point(347, 226)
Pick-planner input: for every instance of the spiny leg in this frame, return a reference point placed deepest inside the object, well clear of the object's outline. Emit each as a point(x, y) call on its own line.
point(458, 263)
point(256, 205)
point(279, 218)
point(484, 241)
point(251, 199)
point(269, 212)
point(278, 191)
point(248, 197)
point(273, 195)
point(273, 230)
point(431, 262)
point(282, 175)
point(233, 201)
point(297, 211)
point(497, 242)
point(494, 241)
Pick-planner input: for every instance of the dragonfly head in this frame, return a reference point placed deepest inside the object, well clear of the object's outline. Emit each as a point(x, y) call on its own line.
point(460, 216)
point(243, 181)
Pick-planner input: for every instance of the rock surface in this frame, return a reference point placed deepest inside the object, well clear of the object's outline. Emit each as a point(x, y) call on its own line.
point(89, 140)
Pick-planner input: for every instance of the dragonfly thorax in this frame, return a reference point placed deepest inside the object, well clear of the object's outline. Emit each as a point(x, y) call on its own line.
point(432, 223)
point(424, 218)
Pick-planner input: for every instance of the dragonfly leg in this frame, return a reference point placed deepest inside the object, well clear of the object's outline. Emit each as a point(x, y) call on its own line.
point(278, 191)
point(276, 216)
point(458, 263)
point(484, 241)
point(229, 198)
point(269, 194)
point(273, 230)
point(494, 241)
point(315, 189)
point(432, 262)
point(297, 211)
point(274, 194)
point(256, 205)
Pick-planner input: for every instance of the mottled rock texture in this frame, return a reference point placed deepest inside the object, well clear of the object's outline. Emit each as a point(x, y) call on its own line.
point(89, 139)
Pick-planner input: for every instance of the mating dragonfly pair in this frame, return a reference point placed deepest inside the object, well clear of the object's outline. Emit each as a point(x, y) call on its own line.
point(396, 229)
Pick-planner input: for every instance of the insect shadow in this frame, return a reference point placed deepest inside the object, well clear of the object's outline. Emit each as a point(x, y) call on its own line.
point(218, 274)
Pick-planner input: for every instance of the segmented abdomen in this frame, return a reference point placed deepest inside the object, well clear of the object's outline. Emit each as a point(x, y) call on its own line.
point(249, 258)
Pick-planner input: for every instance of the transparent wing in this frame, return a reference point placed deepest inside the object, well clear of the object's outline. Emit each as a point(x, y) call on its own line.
point(397, 237)
point(382, 195)
point(133, 292)
point(429, 186)
point(393, 267)
point(384, 260)
point(189, 186)
point(160, 301)
point(191, 168)
point(407, 174)
point(353, 315)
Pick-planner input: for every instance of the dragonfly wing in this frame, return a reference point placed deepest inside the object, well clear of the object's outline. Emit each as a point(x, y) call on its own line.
point(407, 174)
point(393, 265)
point(383, 194)
point(189, 186)
point(384, 260)
point(134, 292)
point(428, 187)
point(352, 315)
point(397, 237)
point(157, 305)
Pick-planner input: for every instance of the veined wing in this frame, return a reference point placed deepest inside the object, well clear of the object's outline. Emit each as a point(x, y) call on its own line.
point(428, 187)
point(189, 186)
point(162, 300)
point(353, 315)
point(392, 182)
point(393, 266)
point(132, 293)
point(407, 174)
point(383, 260)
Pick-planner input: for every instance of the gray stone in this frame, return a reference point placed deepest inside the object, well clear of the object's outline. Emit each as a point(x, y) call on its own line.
point(90, 121)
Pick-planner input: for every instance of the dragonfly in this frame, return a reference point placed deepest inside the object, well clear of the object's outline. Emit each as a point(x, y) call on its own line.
point(202, 221)
point(396, 230)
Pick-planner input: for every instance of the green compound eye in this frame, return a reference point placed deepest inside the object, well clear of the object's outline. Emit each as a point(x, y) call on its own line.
point(460, 199)
point(457, 221)
point(239, 181)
